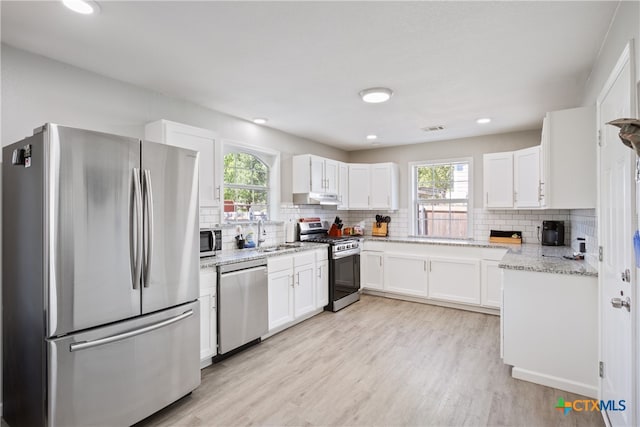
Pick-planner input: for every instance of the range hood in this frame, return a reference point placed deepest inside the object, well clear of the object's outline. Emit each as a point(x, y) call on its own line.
point(326, 199)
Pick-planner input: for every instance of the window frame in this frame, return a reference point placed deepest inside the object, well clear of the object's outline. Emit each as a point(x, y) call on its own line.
point(413, 191)
point(271, 158)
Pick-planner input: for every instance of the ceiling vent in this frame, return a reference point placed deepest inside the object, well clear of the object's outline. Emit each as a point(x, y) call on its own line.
point(433, 128)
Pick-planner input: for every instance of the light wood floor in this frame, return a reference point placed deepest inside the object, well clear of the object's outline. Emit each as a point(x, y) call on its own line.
point(379, 362)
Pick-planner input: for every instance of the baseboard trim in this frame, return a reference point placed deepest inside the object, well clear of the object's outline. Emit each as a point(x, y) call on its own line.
point(477, 309)
point(292, 323)
point(555, 382)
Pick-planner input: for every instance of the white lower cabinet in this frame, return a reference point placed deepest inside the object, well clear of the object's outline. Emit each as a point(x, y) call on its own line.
point(550, 329)
point(406, 274)
point(280, 290)
point(293, 286)
point(208, 318)
point(465, 275)
point(371, 270)
point(491, 289)
point(322, 278)
point(304, 284)
point(455, 280)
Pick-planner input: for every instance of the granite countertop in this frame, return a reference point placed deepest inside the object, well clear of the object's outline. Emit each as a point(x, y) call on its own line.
point(469, 243)
point(526, 257)
point(239, 255)
point(546, 259)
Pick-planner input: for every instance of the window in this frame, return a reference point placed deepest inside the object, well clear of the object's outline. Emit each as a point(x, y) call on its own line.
point(246, 187)
point(441, 198)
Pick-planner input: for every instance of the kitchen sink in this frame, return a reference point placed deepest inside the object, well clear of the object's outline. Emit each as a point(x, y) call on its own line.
point(280, 247)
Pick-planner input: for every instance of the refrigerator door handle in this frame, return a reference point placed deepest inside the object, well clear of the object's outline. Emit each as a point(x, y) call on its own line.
point(135, 241)
point(148, 205)
point(119, 337)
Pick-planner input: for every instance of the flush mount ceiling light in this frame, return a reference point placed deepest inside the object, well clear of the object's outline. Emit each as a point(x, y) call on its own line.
point(376, 95)
point(84, 7)
point(483, 121)
point(372, 137)
point(260, 120)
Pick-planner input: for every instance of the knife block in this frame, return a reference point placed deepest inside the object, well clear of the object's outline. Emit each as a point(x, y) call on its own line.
point(335, 231)
point(379, 229)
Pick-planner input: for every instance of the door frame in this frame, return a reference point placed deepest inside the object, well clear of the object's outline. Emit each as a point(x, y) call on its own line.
point(627, 55)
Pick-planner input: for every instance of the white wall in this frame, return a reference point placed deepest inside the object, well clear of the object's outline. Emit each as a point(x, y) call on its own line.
point(625, 26)
point(466, 147)
point(36, 90)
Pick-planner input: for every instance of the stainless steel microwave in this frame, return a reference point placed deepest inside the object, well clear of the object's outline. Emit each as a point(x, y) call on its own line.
point(210, 241)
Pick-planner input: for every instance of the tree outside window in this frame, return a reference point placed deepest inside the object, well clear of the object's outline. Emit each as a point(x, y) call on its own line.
point(246, 187)
point(441, 199)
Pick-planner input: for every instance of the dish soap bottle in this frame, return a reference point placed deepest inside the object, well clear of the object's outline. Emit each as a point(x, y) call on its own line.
point(249, 242)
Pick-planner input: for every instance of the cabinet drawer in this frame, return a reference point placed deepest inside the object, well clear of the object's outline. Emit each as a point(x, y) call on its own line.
point(304, 258)
point(280, 263)
point(322, 254)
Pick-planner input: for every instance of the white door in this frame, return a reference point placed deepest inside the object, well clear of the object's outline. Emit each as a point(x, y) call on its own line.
point(455, 280)
point(331, 173)
point(343, 185)
point(371, 270)
point(405, 274)
point(380, 186)
point(526, 181)
point(304, 295)
point(280, 291)
point(317, 175)
point(616, 225)
point(498, 180)
point(359, 186)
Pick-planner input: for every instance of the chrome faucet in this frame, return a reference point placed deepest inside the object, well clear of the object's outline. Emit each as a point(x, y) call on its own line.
point(261, 233)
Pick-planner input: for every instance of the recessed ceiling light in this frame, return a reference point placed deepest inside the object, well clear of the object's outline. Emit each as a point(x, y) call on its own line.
point(260, 120)
point(483, 121)
point(372, 137)
point(84, 7)
point(376, 95)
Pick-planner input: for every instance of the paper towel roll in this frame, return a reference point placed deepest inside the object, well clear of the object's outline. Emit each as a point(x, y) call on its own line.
point(290, 232)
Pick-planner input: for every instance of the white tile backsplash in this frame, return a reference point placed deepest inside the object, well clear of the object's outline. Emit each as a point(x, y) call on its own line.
point(577, 222)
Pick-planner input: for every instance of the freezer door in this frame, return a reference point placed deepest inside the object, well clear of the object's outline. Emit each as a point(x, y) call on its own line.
point(92, 209)
point(121, 374)
point(171, 263)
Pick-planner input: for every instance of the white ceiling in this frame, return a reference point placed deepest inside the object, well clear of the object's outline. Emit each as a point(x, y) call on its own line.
point(302, 64)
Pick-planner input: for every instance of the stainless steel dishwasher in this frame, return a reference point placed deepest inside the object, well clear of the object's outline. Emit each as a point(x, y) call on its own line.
point(243, 313)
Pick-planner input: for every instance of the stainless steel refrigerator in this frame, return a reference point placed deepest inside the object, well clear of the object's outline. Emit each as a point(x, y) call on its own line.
point(100, 277)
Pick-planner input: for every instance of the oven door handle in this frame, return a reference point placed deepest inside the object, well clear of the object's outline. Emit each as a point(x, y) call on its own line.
point(345, 254)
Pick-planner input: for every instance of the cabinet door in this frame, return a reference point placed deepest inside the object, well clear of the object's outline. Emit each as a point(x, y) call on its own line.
point(371, 270)
point(491, 289)
point(405, 274)
point(208, 341)
point(317, 175)
point(498, 180)
point(322, 283)
point(455, 280)
point(203, 141)
point(527, 177)
point(380, 186)
point(208, 318)
point(343, 185)
point(331, 176)
point(304, 293)
point(359, 186)
point(280, 291)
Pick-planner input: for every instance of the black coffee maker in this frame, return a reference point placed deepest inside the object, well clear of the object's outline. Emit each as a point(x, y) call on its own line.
point(553, 233)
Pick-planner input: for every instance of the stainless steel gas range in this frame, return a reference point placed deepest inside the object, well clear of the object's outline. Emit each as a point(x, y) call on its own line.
point(344, 263)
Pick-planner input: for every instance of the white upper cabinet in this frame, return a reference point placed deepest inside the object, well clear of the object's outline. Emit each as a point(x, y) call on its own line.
point(359, 186)
point(527, 178)
point(569, 148)
point(498, 180)
point(343, 185)
point(373, 186)
point(313, 174)
point(197, 139)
